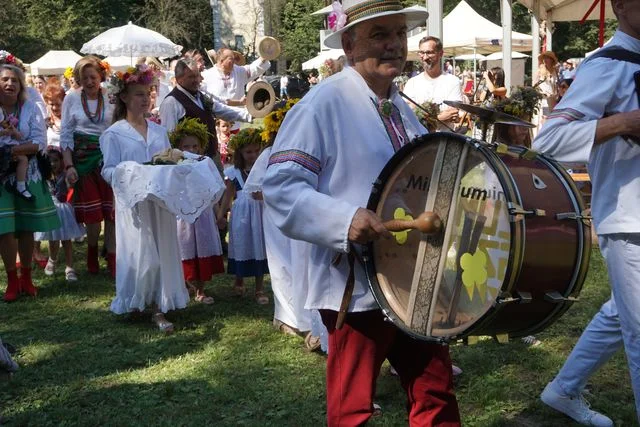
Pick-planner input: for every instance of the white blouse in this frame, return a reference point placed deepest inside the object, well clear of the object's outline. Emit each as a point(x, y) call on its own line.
point(121, 142)
point(75, 120)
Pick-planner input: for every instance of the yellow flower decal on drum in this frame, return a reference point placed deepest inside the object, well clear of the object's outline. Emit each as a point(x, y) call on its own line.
point(474, 273)
point(401, 236)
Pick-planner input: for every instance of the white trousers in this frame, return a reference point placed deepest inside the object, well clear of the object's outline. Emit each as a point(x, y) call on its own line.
point(616, 325)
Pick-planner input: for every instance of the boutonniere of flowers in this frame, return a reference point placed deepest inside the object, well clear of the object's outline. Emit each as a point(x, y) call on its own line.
point(274, 119)
point(523, 103)
point(337, 19)
point(207, 102)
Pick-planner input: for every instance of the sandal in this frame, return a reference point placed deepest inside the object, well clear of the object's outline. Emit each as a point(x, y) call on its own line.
point(204, 299)
point(312, 342)
point(70, 275)
point(50, 268)
point(163, 324)
point(262, 298)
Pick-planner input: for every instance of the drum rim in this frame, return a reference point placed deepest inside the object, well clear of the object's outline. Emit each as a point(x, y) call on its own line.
point(517, 230)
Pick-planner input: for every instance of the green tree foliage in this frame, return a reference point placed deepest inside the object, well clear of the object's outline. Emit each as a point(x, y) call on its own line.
point(299, 31)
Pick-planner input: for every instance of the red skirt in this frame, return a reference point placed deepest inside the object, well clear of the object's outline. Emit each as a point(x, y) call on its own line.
point(202, 269)
point(93, 199)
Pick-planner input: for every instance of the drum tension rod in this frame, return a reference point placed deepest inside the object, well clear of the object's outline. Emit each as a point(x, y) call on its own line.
point(515, 209)
point(582, 216)
point(557, 298)
point(523, 298)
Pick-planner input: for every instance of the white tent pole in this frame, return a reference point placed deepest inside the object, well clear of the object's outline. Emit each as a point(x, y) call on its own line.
point(507, 25)
point(535, 48)
point(434, 22)
point(549, 27)
point(475, 69)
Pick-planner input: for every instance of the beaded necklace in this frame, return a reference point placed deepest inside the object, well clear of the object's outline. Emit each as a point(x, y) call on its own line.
point(99, 113)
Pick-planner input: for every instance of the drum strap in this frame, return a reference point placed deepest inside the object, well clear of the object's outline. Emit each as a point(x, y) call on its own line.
point(348, 289)
point(620, 54)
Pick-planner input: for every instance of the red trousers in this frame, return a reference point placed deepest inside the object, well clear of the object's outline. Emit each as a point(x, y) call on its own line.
point(356, 354)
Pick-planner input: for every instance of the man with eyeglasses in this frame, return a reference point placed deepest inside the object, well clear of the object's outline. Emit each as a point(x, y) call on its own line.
point(433, 85)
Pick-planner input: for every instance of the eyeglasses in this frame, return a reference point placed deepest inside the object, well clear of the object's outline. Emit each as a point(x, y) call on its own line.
point(426, 52)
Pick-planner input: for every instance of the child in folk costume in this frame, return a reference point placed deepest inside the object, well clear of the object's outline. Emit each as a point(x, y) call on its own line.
point(200, 246)
point(70, 229)
point(11, 136)
point(247, 254)
point(148, 268)
point(223, 129)
point(286, 257)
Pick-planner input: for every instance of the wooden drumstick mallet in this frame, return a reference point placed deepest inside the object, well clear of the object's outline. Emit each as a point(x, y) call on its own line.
point(426, 222)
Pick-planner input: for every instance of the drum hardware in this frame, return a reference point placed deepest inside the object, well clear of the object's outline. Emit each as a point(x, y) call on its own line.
point(538, 183)
point(557, 298)
point(515, 209)
point(583, 216)
point(523, 298)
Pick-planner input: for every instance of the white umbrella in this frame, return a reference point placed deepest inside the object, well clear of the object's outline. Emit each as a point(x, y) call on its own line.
point(131, 40)
point(54, 62)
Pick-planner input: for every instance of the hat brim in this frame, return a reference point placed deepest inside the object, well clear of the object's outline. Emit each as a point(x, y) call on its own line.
point(552, 56)
point(416, 16)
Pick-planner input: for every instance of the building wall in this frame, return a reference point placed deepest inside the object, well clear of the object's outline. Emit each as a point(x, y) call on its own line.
point(243, 18)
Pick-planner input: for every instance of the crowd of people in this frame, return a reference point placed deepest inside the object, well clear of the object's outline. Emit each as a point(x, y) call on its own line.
point(291, 196)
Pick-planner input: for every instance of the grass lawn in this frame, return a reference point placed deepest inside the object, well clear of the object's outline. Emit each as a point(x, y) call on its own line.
point(227, 366)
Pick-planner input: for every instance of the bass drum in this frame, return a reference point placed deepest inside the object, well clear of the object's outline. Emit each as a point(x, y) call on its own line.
point(513, 252)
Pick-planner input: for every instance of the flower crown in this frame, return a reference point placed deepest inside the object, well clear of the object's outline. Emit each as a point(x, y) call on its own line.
point(141, 74)
point(245, 137)
point(68, 73)
point(274, 119)
point(190, 127)
point(7, 58)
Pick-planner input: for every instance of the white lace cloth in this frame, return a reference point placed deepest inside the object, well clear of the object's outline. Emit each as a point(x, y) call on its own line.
point(185, 190)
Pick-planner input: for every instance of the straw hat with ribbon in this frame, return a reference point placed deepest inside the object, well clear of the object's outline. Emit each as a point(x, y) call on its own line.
point(352, 12)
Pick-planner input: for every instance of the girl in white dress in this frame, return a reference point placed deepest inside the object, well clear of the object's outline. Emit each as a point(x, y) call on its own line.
point(148, 265)
point(247, 254)
point(69, 229)
point(200, 246)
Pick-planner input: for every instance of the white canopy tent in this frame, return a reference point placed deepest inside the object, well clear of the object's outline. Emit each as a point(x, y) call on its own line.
point(465, 31)
point(565, 10)
point(470, 57)
point(54, 62)
point(318, 60)
point(121, 63)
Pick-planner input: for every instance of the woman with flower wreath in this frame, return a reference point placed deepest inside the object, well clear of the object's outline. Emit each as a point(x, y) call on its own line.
point(86, 113)
point(20, 218)
point(247, 254)
point(148, 262)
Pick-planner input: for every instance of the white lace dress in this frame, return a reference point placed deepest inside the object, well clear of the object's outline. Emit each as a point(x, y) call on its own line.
point(147, 200)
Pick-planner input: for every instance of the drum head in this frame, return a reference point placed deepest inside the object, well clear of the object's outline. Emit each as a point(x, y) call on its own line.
point(439, 287)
